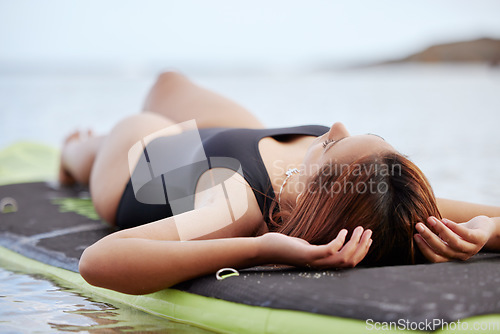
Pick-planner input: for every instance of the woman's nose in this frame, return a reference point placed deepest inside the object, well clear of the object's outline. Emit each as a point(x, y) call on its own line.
point(337, 131)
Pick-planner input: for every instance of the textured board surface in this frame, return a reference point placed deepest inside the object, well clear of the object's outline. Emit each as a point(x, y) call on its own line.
point(53, 226)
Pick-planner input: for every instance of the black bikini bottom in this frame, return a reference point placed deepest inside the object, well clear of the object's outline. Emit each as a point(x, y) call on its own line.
point(131, 212)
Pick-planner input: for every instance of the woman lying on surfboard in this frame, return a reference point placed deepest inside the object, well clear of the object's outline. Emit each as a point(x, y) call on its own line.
point(196, 183)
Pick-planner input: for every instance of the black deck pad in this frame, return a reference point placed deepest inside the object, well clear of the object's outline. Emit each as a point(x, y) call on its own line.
point(447, 291)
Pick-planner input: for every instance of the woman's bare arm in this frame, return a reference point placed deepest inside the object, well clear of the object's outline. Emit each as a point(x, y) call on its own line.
point(465, 230)
point(460, 212)
point(157, 255)
point(444, 240)
point(219, 233)
point(493, 243)
point(136, 261)
point(140, 266)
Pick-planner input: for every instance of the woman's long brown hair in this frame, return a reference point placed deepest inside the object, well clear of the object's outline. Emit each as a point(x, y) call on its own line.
point(386, 193)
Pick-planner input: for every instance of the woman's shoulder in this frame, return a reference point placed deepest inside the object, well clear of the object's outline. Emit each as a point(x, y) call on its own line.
point(231, 195)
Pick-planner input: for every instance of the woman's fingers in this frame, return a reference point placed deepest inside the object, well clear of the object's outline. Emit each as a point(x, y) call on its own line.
point(427, 250)
point(356, 249)
point(323, 252)
point(336, 244)
point(435, 243)
point(339, 255)
point(463, 231)
point(430, 238)
point(446, 239)
point(363, 247)
point(361, 244)
point(354, 241)
point(454, 240)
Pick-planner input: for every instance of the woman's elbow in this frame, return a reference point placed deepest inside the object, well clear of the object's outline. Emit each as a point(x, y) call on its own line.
point(92, 266)
point(103, 266)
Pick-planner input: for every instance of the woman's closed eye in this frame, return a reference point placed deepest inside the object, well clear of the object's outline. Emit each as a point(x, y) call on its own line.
point(330, 142)
point(326, 142)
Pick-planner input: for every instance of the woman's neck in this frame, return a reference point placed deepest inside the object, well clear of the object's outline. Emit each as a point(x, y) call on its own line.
point(279, 156)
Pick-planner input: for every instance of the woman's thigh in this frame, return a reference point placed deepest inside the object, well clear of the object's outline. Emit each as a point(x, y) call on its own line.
point(177, 98)
point(110, 171)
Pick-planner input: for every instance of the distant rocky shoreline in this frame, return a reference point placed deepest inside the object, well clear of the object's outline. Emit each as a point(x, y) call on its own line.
point(484, 50)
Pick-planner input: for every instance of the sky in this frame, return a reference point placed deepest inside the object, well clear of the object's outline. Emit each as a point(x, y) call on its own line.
point(258, 33)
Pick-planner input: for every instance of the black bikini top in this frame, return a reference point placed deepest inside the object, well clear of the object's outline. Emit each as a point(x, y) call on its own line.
point(179, 161)
point(243, 145)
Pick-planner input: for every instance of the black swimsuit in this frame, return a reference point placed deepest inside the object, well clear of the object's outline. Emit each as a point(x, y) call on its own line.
point(232, 148)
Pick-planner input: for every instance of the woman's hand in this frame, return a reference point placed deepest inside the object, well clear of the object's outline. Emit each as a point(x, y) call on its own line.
point(444, 240)
point(283, 249)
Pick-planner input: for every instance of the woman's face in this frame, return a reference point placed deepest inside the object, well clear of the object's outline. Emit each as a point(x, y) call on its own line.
point(338, 146)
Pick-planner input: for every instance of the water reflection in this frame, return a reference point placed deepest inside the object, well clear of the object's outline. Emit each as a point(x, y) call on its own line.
point(32, 303)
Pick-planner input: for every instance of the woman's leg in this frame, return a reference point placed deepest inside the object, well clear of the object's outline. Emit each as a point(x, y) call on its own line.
point(173, 99)
point(177, 98)
point(77, 157)
point(110, 171)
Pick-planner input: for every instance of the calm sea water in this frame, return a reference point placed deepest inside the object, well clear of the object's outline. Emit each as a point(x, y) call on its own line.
point(30, 303)
point(446, 118)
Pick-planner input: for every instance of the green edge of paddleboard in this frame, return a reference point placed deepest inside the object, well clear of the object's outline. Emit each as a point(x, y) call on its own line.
point(30, 162)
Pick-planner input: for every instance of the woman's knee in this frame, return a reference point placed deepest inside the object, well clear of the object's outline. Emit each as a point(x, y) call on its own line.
point(111, 168)
point(127, 133)
point(168, 87)
point(171, 78)
point(139, 125)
